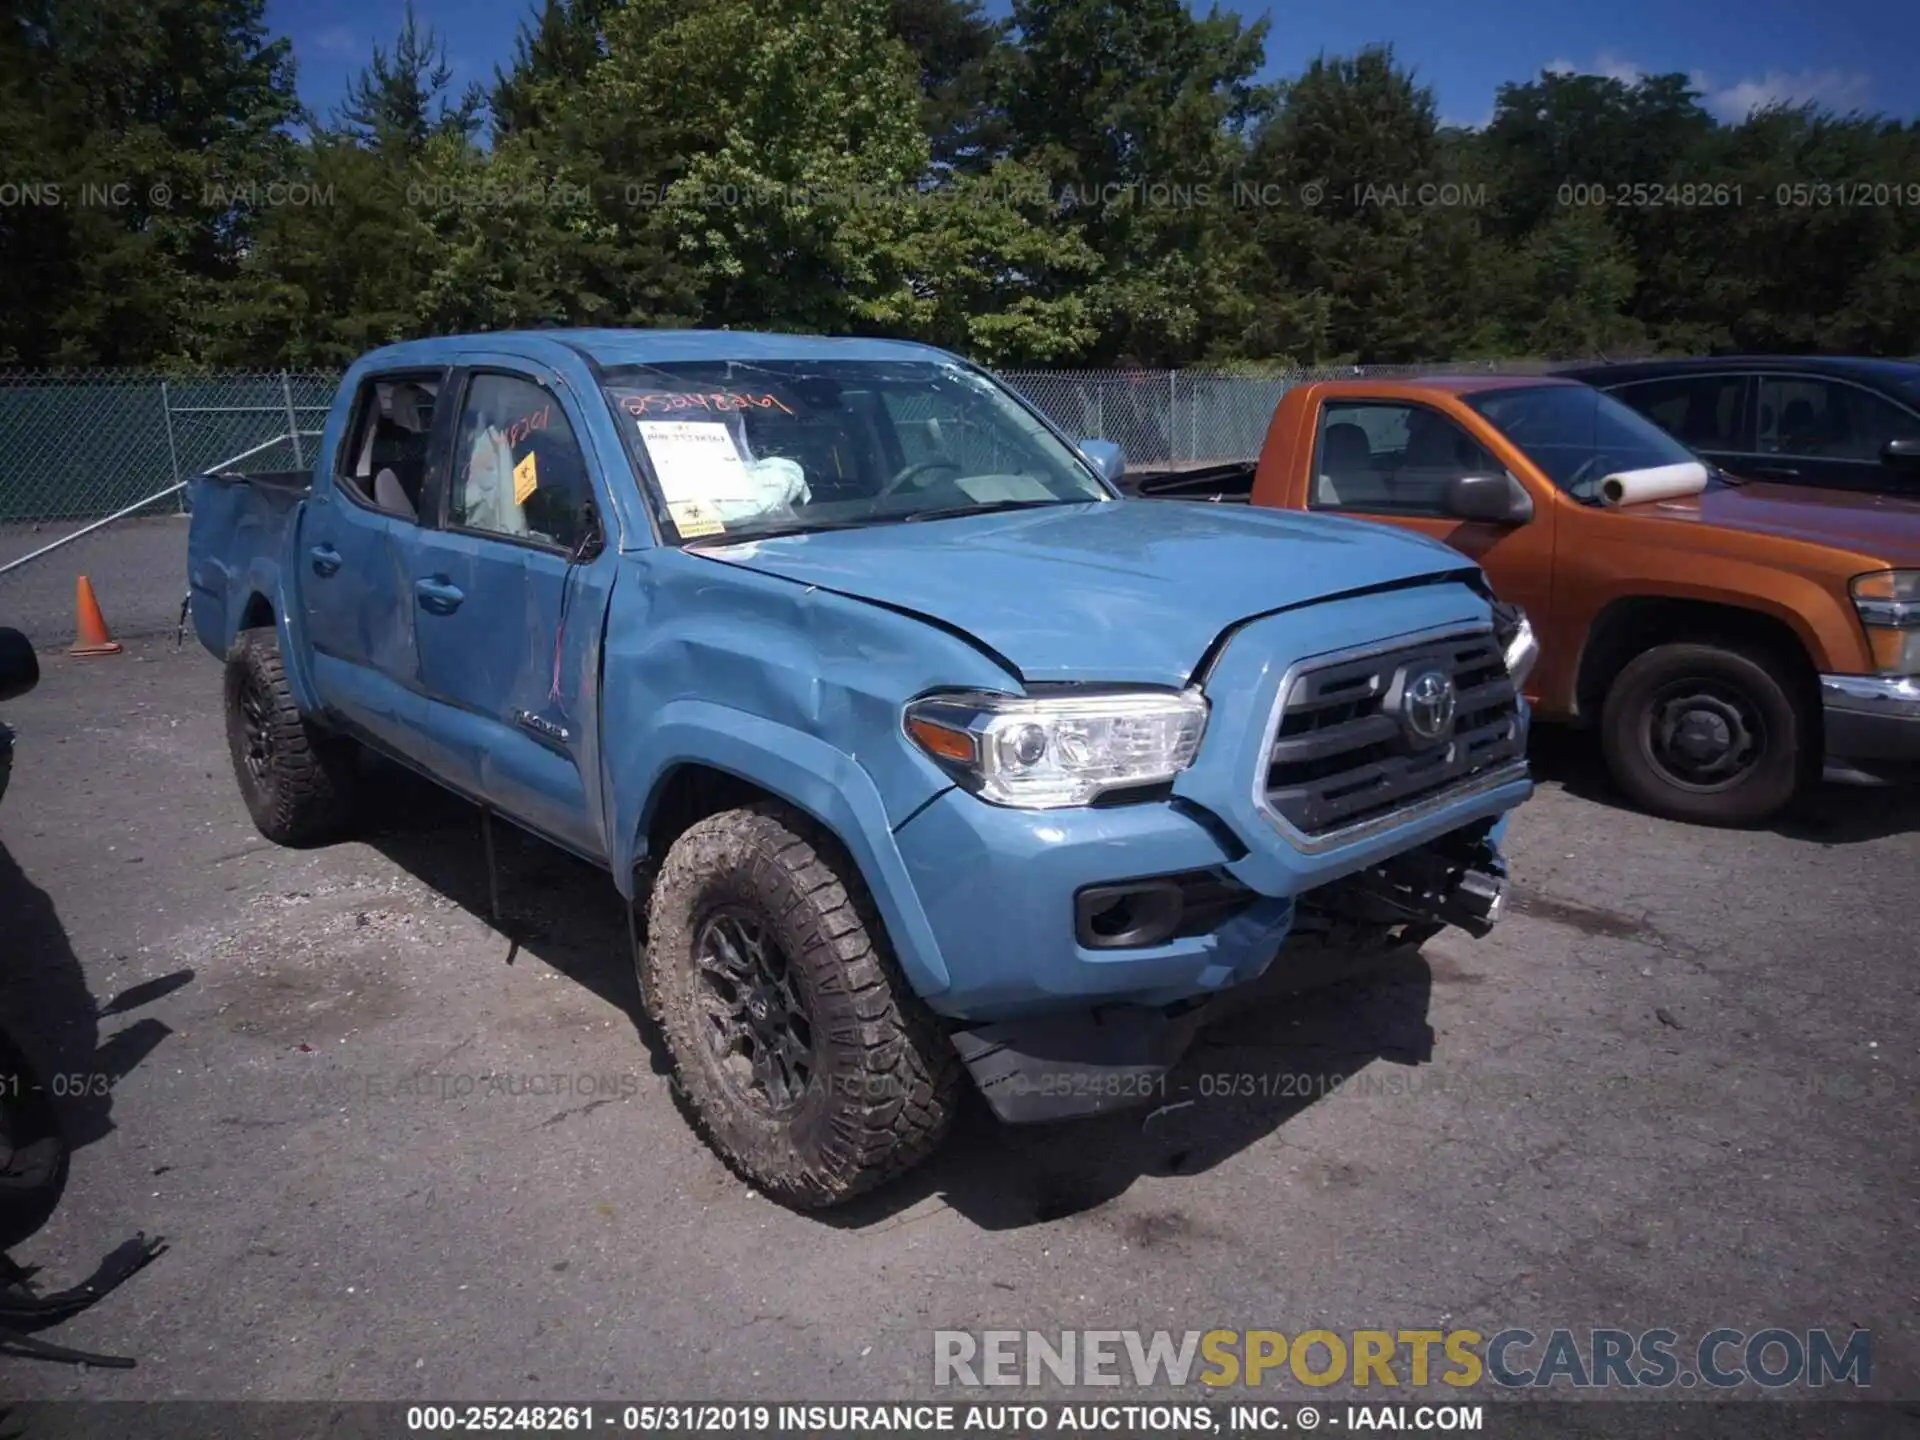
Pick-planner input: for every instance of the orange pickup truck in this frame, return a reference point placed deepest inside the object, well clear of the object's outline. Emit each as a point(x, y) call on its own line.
point(1729, 640)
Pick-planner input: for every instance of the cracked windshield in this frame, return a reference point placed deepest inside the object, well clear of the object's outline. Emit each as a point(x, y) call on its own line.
point(748, 451)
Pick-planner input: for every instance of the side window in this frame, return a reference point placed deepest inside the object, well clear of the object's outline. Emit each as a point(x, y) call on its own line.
point(1824, 419)
point(1701, 411)
point(384, 463)
point(1391, 459)
point(517, 469)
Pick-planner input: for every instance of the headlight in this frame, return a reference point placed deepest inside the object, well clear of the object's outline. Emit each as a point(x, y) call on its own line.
point(1518, 645)
point(1047, 752)
point(1889, 606)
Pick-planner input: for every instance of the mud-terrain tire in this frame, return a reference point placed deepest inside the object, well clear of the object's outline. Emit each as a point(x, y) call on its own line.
point(1748, 693)
point(801, 1054)
point(298, 782)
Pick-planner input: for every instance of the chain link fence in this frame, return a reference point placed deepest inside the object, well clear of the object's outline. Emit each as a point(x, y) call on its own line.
point(79, 446)
point(83, 445)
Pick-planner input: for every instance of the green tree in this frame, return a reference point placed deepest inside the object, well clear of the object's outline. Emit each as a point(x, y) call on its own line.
point(1135, 111)
point(160, 120)
point(962, 57)
point(400, 101)
point(1366, 241)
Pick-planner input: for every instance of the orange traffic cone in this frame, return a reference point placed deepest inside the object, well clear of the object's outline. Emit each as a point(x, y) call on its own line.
point(90, 629)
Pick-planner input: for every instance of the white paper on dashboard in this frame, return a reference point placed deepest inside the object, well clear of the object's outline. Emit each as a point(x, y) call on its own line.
point(698, 462)
point(987, 489)
point(1655, 482)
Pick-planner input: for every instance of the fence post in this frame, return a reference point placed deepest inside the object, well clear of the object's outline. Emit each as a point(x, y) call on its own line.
point(293, 424)
point(173, 450)
point(1173, 448)
point(1099, 411)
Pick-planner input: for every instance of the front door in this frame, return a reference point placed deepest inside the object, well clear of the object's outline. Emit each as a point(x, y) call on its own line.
point(355, 592)
point(508, 596)
point(1392, 460)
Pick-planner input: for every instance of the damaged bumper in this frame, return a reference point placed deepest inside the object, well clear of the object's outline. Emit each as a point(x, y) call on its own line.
point(1085, 1062)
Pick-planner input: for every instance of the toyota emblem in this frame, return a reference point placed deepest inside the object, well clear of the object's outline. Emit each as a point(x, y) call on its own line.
point(1429, 704)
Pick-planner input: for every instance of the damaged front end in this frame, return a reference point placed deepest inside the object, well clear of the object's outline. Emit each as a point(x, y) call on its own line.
point(1115, 1057)
point(1459, 879)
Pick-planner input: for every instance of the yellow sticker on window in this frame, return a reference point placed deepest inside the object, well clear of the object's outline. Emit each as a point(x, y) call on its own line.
point(693, 518)
point(526, 479)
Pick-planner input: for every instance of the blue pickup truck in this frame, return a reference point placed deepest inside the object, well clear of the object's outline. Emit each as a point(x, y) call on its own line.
point(916, 750)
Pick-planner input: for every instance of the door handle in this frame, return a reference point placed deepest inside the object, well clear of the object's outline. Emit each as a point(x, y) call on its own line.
point(326, 560)
point(438, 596)
point(1777, 472)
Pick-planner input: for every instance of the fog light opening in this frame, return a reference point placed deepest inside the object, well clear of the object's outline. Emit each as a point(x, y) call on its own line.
point(1114, 917)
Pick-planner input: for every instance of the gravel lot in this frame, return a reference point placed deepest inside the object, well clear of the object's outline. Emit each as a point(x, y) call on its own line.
point(1677, 1088)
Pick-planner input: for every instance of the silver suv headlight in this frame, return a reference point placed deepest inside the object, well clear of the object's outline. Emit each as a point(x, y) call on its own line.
point(1046, 752)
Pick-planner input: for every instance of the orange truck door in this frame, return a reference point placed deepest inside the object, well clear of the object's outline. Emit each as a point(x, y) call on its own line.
point(1389, 457)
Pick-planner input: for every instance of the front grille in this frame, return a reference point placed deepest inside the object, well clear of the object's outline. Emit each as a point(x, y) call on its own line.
point(1347, 749)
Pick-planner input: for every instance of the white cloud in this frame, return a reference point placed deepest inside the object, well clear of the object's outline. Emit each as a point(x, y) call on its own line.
point(1605, 64)
point(1841, 90)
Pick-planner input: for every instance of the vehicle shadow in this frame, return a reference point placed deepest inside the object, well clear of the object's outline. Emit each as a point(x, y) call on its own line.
point(1288, 1040)
point(46, 1005)
point(1285, 1043)
point(1828, 814)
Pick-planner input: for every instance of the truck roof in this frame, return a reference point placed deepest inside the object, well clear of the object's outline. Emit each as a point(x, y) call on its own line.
point(653, 347)
point(1452, 384)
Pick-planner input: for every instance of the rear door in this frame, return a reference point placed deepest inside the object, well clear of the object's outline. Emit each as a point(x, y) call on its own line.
point(355, 532)
point(1392, 460)
point(508, 594)
point(1816, 430)
point(1710, 414)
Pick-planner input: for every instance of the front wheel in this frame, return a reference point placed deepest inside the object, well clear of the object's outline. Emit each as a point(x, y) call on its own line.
point(808, 1064)
point(1707, 734)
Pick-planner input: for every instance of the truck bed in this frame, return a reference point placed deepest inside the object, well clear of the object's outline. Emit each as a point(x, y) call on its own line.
point(240, 524)
point(1230, 484)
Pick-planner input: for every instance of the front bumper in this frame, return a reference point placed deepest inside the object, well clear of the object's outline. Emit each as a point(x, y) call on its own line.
point(1873, 725)
point(1015, 899)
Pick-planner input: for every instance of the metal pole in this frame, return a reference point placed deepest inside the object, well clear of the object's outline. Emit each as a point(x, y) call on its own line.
point(173, 450)
point(141, 504)
point(293, 422)
point(1173, 419)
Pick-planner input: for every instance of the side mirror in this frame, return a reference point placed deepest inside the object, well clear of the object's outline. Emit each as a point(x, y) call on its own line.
point(19, 666)
point(1497, 499)
point(1106, 457)
point(1902, 453)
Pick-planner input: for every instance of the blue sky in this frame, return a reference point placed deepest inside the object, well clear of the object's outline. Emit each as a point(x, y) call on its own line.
point(1842, 53)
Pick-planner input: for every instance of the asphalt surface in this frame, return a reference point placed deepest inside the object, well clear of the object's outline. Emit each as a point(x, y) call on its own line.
point(137, 566)
point(1676, 1089)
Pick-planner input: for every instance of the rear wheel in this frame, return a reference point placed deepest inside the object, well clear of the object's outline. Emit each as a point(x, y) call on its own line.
point(297, 781)
point(808, 1064)
point(1710, 734)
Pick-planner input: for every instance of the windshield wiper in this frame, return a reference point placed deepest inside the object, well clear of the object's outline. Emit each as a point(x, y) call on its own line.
point(954, 512)
point(775, 532)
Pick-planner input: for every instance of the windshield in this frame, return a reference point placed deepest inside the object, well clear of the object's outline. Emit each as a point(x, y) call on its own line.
point(742, 450)
point(1578, 436)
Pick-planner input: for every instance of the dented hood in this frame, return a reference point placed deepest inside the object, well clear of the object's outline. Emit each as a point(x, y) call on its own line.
point(1128, 590)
